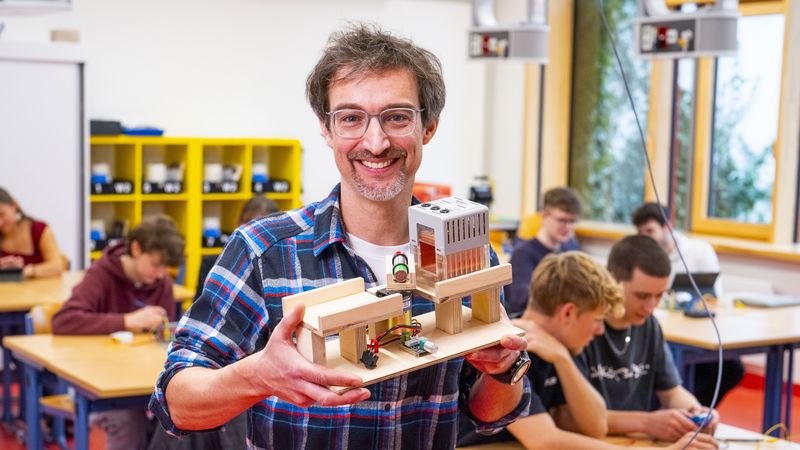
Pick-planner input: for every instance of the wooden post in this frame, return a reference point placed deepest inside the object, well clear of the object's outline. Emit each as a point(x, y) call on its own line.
point(448, 316)
point(310, 345)
point(375, 329)
point(486, 305)
point(352, 343)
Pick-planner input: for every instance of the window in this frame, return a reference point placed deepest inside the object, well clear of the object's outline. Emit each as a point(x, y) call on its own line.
point(745, 123)
point(606, 155)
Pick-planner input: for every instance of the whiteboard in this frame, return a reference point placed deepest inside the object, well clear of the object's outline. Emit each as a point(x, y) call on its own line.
point(42, 140)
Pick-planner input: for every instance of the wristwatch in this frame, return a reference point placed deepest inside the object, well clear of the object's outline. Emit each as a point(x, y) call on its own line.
point(517, 370)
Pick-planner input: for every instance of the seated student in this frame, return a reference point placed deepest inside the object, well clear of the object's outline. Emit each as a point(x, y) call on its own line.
point(631, 361)
point(127, 289)
point(26, 242)
point(700, 257)
point(556, 234)
point(234, 433)
point(258, 206)
point(570, 296)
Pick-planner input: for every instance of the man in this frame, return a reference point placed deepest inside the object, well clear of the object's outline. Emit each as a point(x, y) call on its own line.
point(378, 99)
point(127, 289)
point(570, 297)
point(631, 361)
point(700, 257)
point(556, 234)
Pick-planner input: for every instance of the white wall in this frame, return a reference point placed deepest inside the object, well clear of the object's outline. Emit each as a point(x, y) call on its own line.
point(238, 67)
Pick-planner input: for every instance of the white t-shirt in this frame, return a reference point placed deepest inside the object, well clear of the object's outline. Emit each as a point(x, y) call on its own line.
point(375, 255)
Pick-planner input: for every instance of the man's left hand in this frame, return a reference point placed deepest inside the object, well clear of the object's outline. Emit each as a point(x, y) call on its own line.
point(498, 359)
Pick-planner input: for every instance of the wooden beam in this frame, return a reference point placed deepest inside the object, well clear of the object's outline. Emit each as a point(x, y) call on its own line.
point(354, 310)
point(324, 294)
point(310, 345)
point(464, 285)
point(486, 305)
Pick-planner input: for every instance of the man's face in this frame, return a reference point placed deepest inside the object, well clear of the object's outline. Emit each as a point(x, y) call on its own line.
point(653, 230)
point(642, 294)
point(579, 329)
point(377, 166)
point(558, 224)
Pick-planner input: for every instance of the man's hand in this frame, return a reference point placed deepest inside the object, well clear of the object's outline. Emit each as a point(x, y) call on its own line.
point(668, 425)
point(702, 442)
point(541, 342)
point(711, 425)
point(281, 370)
point(145, 319)
point(499, 358)
point(11, 262)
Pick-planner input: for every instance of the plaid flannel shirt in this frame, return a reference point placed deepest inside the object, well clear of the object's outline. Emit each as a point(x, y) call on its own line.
point(289, 253)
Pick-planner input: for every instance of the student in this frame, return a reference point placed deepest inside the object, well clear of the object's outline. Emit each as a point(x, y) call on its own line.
point(570, 296)
point(127, 289)
point(700, 257)
point(556, 234)
point(258, 206)
point(26, 242)
point(378, 99)
point(631, 362)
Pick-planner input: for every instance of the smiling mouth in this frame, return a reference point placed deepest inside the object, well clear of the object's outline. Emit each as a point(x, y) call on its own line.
point(377, 164)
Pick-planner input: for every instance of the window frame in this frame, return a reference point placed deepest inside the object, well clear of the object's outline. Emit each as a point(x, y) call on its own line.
point(701, 222)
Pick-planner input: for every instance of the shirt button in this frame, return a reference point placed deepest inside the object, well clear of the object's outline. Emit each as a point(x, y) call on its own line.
point(387, 407)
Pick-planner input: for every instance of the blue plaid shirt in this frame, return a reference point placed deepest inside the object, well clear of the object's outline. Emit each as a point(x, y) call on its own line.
point(289, 253)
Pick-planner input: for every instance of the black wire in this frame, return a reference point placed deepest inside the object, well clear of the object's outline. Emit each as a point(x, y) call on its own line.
point(666, 219)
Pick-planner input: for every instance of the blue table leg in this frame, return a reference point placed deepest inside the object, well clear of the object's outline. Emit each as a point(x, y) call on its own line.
point(7, 377)
point(33, 391)
point(81, 422)
point(787, 417)
point(773, 381)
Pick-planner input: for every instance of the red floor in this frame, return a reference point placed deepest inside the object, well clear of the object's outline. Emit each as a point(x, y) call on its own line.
point(741, 408)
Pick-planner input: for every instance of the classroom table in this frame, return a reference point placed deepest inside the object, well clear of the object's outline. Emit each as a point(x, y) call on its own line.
point(17, 298)
point(740, 439)
point(105, 375)
point(744, 330)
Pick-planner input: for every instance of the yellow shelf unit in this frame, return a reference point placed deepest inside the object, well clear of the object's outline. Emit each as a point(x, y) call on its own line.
point(128, 157)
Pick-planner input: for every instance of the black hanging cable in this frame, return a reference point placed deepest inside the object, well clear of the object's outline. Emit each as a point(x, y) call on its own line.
point(607, 28)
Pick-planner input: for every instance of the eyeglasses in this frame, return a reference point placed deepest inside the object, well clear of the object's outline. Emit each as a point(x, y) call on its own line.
point(353, 123)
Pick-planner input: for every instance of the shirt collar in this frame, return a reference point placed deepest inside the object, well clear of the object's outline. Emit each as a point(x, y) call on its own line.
point(328, 224)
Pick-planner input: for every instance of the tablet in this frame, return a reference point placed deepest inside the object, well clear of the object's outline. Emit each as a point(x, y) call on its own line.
point(11, 274)
point(767, 300)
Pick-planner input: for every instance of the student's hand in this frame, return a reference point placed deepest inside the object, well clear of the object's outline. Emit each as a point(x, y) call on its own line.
point(702, 442)
point(711, 426)
point(145, 319)
point(541, 342)
point(498, 359)
point(281, 370)
point(11, 262)
point(668, 425)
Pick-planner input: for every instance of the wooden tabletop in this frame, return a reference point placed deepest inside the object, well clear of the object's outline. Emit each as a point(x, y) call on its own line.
point(738, 327)
point(23, 295)
point(723, 432)
point(99, 366)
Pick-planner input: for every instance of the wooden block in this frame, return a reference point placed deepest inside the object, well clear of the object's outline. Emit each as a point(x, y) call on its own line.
point(310, 345)
point(449, 317)
point(470, 283)
point(324, 294)
point(352, 343)
point(394, 361)
point(486, 305)
point(376, 328)
point(358, 309)
point(395, 284)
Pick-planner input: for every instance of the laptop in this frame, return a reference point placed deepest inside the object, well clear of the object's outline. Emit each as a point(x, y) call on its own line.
point(766, 300)
point(11, 274)
point(705, 282)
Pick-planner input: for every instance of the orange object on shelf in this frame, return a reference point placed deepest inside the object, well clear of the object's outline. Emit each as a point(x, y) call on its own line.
point(427, 192)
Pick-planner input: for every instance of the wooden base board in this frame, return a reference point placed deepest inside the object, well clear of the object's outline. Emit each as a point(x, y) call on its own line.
point(395, 361)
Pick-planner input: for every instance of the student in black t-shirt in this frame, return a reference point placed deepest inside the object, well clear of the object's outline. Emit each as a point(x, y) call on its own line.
point(571, 295)
point(631, 361)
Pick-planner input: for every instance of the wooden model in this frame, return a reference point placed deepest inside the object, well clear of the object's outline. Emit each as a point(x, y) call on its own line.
point(449, 261)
